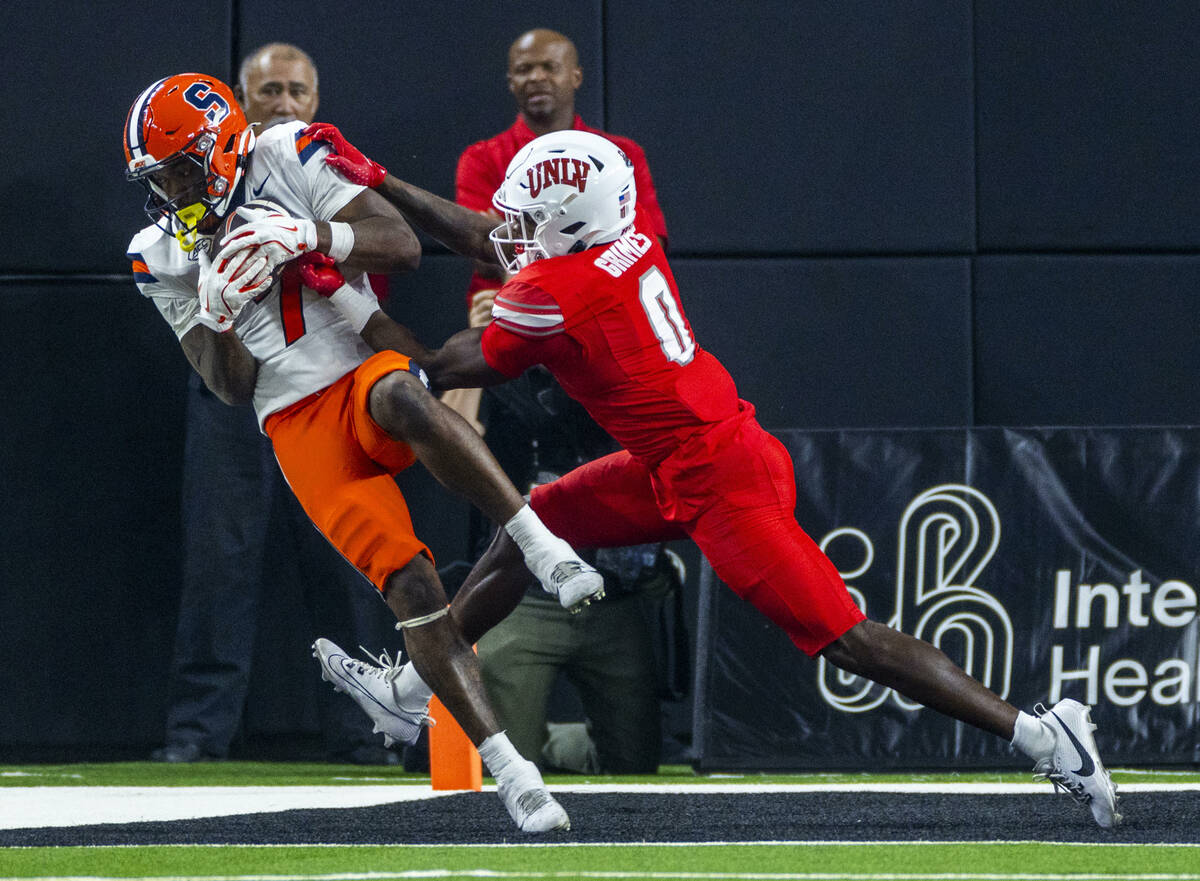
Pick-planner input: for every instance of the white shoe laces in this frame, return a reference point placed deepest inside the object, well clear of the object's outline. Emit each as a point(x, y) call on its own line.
point(390, 671)
point(1044, 770)
point(387, 668)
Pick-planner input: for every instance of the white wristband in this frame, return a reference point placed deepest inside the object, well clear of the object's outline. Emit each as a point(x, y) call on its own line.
point(355, 307)
point(341, 241)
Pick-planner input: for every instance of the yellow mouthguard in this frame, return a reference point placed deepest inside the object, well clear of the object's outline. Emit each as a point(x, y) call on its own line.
point(189, 218)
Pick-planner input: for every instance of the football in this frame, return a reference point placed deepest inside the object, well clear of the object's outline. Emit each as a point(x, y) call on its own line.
point(242, 215)
point(236, 218)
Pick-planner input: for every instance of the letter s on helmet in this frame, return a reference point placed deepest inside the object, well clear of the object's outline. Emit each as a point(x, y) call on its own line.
point(563, 193)
point(187, 117)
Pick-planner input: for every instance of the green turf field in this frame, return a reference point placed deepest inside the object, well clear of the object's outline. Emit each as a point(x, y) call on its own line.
point(537, 859)
point(942, 861)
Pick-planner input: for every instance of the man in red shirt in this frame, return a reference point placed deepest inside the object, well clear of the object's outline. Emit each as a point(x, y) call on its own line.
point(594, 301)
point(543, 76)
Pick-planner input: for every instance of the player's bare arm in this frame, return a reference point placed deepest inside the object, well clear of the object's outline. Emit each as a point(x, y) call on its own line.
point(223, 362)
point(367, 235)
point(383, 240)
point(459, 363)
point(459, 229)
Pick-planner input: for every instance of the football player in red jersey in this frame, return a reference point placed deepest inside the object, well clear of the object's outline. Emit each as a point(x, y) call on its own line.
point(593, 299)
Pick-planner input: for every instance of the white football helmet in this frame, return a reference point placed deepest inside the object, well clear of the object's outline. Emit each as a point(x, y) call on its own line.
point(562, 193)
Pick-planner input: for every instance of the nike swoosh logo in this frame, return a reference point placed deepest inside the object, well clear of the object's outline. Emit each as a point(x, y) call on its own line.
point(1087, 767)
point(258, 190)
point(345, 662)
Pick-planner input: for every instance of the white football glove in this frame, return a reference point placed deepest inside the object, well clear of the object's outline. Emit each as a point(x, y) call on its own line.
point(278, 237)
point(227, 285)
point(252, 213)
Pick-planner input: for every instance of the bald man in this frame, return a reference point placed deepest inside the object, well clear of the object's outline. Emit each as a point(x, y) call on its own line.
point(277, 83)
point(608, 649)
point(543, 75)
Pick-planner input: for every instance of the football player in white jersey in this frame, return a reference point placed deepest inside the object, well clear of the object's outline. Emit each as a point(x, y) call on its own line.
point(233, 499)
point(342, 419)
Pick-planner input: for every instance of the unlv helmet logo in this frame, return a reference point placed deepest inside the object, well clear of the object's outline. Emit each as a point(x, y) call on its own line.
point(559, 170)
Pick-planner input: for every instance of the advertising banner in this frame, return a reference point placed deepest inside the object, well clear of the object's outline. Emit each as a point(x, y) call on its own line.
point(1048, 563)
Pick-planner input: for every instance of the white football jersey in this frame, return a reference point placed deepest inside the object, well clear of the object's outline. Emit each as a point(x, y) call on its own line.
point(299, 339)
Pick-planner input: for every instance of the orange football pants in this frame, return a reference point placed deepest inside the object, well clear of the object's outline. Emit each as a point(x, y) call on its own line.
point(341, 466)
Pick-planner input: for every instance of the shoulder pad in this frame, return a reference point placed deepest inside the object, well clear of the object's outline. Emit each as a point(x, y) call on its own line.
point(145, 237)
point(284, 133)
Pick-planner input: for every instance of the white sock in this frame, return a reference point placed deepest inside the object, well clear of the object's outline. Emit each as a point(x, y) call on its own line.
point(1033, 737)
point(497, 752)
point(541, 547)
point(412, 694)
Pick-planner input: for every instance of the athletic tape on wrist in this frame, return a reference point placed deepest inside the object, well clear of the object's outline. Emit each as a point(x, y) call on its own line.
point(356, 308)
point(341, 241)
point(424, 619)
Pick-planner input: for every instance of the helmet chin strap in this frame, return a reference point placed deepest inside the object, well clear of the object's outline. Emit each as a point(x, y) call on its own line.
point(189, 219)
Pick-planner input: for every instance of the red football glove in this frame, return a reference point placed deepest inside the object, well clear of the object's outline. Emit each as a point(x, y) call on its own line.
point(347, 158)
point(318, 272)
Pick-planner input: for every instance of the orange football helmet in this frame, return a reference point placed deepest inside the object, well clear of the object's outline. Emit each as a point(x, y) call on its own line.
point(188, 118)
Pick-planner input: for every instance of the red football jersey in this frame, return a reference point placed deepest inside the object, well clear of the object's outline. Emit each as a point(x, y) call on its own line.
point(608, 323)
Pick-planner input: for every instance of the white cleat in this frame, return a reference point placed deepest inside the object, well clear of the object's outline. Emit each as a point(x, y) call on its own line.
point(576, 584)
point(1075, 765)
point(529, 802)
point(371, 687)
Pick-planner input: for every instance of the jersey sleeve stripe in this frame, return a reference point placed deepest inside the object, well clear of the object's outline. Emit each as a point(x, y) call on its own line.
point(527, 324)
point(525, 330)
point(526, 297)
point(306, 146)
point(527, 310)
point(141, 272)
point(525, 306)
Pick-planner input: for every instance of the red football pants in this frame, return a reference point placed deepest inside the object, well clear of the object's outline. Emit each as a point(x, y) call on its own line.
point(733, 492)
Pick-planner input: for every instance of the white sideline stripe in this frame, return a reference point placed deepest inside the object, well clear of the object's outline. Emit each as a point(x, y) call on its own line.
point(43, 806)
point(935, 788)
point(51, 806)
